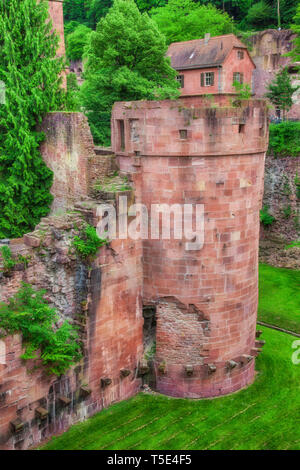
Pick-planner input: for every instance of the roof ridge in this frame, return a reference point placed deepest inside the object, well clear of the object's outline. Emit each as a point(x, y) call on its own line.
point(202, 39)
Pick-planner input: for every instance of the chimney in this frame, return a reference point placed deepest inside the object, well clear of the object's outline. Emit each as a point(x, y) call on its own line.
point(206, 38)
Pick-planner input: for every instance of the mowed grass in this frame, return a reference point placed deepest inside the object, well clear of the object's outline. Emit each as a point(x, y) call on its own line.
point(279, 297)
point(264, 416)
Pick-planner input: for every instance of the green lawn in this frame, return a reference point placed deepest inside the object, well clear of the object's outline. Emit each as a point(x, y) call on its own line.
point(279, 297)
point(263, 416)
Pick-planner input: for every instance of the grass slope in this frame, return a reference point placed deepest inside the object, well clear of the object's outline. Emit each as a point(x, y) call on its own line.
point(279, 297)
point(263, 416)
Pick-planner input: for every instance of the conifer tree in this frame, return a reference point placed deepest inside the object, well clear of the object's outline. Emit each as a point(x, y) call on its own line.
point(281, 90)
point(31, 74)
point(126, 61)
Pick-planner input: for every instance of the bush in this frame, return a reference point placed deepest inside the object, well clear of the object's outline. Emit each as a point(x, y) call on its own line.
point(88, 243)
point(285, 139)
point(265, 217)
point(28, 313)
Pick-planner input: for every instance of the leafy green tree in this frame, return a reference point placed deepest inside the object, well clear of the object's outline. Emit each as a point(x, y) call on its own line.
point(146, 5)
point(182, 20)
point(281, 90)
point(77, 41)
point(32, 76)
point(259, 15)
point(96, 9)
point(126, 61)
point(295, 53)
point(75, 10)
point(72, 96)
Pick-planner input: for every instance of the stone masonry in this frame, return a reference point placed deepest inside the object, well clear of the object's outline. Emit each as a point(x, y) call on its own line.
point(206, 300)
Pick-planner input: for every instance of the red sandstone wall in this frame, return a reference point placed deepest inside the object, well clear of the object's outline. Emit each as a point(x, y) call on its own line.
point(57, 17)
point(67, 150)
point(207, 299)
point(268, 53)
point(104, 298)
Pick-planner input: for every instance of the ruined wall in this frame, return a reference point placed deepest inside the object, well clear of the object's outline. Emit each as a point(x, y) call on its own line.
point(102, 296)
point(57, 17)
point(268, 53)
point(207, 297)
point(281, 195)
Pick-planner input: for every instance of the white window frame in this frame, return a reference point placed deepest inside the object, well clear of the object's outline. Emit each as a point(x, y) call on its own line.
point(208, 78)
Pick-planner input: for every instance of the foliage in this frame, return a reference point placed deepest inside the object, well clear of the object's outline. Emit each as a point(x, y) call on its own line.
point(295, 53)
point(97, 9)
point(9, 261)
point(72, 96)
point(261, 416)
point(265, 217)
point(243, 90)
point(259, 15)
point(297, 184)
point(7, 258)
point(182, 20)
point(28, 313)
point(88, 242)
point(285, 139)
point(146, 5)
point(76, 42)
point(287, 211)
point(31, 72)
point(292, 245)
point(75, 10)
point(279, 301)
point(281, 90)
point(126, 61)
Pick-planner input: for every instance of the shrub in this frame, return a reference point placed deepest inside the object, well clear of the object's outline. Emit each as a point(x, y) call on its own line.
point(265, 217)
point(285, 139)
point(7, 259)
point(28, 313)
point(88, 242)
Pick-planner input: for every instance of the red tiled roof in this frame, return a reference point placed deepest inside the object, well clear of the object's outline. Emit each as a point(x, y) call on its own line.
point(197, 54)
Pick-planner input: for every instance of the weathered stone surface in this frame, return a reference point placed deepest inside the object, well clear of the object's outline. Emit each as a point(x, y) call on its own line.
point(207, 298)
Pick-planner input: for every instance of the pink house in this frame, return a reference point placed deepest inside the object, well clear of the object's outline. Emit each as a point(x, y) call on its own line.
point(211, 65)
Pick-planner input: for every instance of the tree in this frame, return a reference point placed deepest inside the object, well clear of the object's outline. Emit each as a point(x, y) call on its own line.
point(76, 42)
point(96, 9)
point(146, 5)
point(182, 20)
point(281, 90)
point(126, 61)
point(32, 76)
point(295, 53)
point(75, 10)
point(260, 15)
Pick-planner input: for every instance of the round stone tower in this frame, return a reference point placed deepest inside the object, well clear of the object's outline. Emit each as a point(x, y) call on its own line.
point(205, 290)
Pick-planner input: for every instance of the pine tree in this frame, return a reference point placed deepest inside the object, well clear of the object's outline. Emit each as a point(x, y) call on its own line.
point(126, 61)
point(31, 74)
point(281, 90)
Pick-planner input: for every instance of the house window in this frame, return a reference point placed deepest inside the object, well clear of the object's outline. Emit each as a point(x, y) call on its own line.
point(180, 79)
point(238, 77)
point(240, 55)
point(207, 79)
